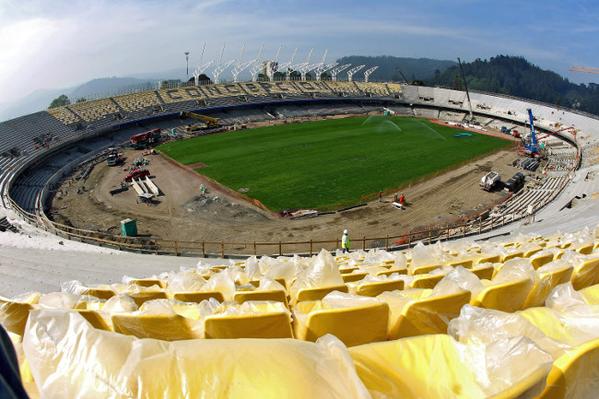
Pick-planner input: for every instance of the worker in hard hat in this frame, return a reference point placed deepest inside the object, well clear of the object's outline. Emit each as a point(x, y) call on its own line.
point(345, 243)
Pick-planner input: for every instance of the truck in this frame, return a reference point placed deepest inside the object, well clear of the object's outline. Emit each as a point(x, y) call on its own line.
point(113, 158)
point(145, 139)
point(515, 183)
point(489, 181)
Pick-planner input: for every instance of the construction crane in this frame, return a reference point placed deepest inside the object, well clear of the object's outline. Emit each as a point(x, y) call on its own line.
point(208, 120)
point(532, 146)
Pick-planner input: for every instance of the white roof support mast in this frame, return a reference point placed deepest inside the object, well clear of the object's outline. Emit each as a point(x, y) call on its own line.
point(256, 66)
point(353, 71)
point(369, 72)
point(201, 69)
point(337, 70)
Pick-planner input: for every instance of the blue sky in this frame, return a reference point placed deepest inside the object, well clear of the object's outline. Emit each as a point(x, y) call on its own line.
point(60, 43)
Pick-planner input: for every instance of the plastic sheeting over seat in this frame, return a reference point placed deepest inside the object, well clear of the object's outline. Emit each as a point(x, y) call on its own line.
point(436, 366)
point(266, 325)
point(164, 327)
point(422, 313)
point(508, 297)
point(575, 374)
point(70, 359)
point(354, 320)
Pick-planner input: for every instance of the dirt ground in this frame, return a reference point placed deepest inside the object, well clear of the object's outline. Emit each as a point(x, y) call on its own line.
point(184, 213)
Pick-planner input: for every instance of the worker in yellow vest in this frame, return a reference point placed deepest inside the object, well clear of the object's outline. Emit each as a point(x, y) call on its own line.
point(345, 243)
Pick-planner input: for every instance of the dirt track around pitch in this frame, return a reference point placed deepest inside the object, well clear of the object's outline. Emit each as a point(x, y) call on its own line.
point(184, 214)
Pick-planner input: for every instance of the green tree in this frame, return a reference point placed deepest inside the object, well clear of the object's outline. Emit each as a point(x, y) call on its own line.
point(60, 101)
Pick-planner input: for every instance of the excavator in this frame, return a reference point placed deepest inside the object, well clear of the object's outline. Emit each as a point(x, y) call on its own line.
point(208, 122)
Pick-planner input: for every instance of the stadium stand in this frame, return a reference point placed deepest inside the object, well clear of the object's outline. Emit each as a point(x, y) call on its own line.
point(540, 322)
point(526, 303)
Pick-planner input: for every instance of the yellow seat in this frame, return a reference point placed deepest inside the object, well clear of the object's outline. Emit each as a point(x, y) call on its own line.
point(490, 259)
point(377, 287)
point(147, 282)
point(348, 278)
point(102, 293)
point(354, 325)
point(164, 327)
point(546, 320)
point(256, 283)
point(13, 315)
point(315, 294)
point(425, 315)
point(143, 296)
point(95, 319)
point(586, 274)
point(546, 283)
point(259, 325)
point(431, 367)
point(198, 296)
point(264, 295)
point(483, 272)
point(538, 261)
point(585, 249)
point(424, 269)
point(427, 281)
point(467, 263)
point(392, 271)
point(513, 255)
point(591, 294)
point(574, 374)
point(109, 365)
point(507, 297)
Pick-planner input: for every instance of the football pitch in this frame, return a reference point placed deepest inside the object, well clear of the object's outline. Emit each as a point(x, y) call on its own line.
point(329, 164)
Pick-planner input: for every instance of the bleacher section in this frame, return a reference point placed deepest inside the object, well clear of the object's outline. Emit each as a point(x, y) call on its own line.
point(138, 101)
point(421, 318)
point(94, 110)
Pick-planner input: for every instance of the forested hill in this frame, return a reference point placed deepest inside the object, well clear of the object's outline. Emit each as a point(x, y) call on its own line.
point(390, 67)
point(517, 77)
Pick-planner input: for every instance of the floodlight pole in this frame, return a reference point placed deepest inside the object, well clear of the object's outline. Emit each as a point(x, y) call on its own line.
point(353, 71)
point(187, 64)
point(337, 70)
point(369, 72)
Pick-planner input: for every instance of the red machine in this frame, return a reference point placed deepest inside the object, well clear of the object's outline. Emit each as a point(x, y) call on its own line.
point(145, 139)
point(137, 174)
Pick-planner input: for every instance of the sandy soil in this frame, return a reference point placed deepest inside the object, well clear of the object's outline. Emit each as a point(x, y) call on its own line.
point(182, 213)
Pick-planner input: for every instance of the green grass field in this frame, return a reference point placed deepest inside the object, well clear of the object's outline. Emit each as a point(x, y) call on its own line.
point(329, 164)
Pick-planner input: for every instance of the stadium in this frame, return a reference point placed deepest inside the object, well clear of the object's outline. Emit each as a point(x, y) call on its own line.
point(308, 232)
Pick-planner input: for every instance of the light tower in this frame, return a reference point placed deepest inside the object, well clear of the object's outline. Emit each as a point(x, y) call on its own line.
point(352, 71)
point(337, 70)
point(187, 65)
point(369, 72)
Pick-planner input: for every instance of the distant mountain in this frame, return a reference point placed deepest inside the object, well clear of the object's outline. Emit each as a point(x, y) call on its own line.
point(108, 86)
point(517, 77)
point(40, 99)
point(389, 67)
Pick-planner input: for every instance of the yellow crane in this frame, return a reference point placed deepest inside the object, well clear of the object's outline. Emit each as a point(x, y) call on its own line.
point(208, 120)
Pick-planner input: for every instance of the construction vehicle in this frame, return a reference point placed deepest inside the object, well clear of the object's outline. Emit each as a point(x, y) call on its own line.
point(113, 158)
point(145, 139)
point(136, 174)
point(531, 145)
point(515, 183)
point(208, 120)
point(489, 181)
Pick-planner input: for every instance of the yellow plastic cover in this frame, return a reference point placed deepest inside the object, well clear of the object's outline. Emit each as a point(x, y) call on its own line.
point(436, 366)
point(70, 359)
